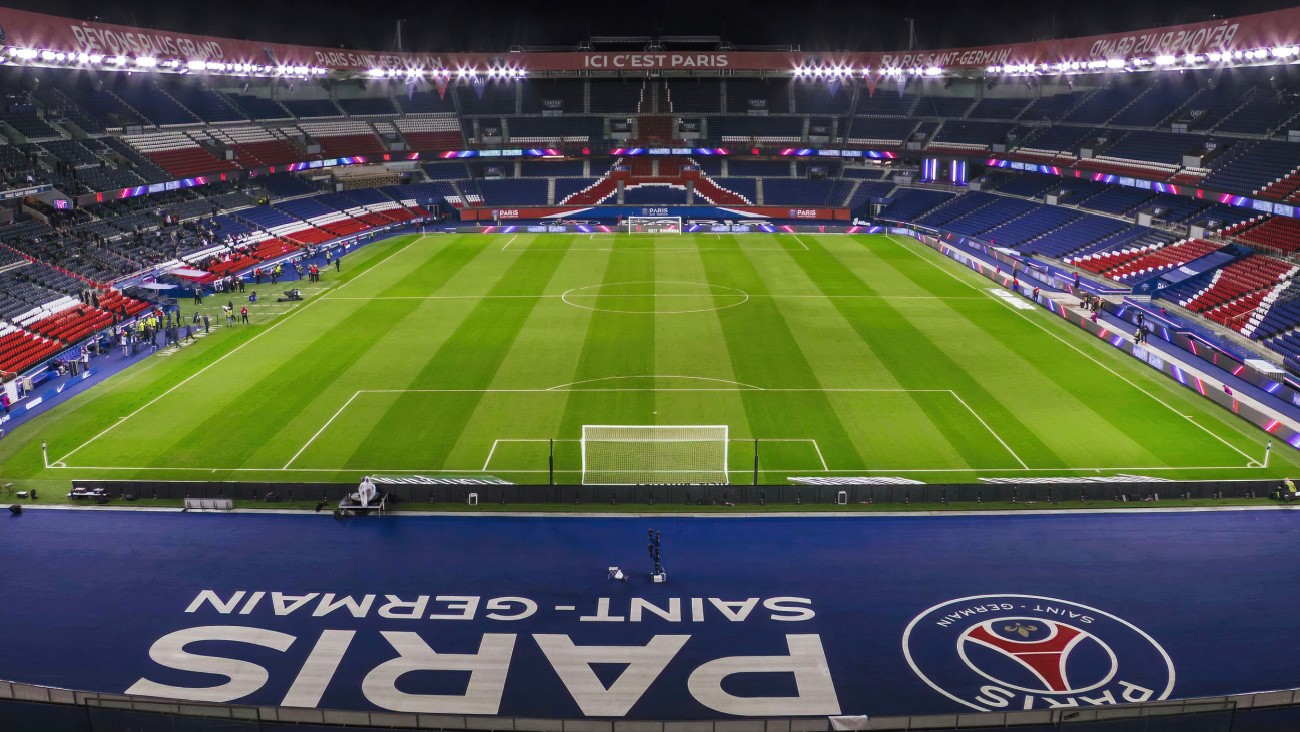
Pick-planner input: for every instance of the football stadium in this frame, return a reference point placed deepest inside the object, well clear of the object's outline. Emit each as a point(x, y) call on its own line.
point(650, 383)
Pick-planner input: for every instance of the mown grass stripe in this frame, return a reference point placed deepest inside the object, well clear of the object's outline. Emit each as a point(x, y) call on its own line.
point(753, 334)
point(545, 354)
point(842, 357)
point(469, 359)
point(1140, 429)
point(616, 345)
point(917, 363)
point(263, 408)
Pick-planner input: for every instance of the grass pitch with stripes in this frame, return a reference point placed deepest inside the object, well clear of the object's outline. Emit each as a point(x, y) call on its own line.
point(841, 355)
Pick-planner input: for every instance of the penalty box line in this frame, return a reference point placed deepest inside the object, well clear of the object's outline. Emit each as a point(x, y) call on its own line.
point(714, 389)
point(817, 448)
point(1068, 344)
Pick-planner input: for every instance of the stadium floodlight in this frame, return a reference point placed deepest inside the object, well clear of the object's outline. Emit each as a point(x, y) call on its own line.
point(933, 71)
point(47, 55)
point(1285, 51)
point(376, 73)
point(26, 54)
point(146, 62)
point(1114, 63)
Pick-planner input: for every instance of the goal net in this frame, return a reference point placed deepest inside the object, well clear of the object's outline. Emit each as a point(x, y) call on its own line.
point(640, 454)
point(654, 224)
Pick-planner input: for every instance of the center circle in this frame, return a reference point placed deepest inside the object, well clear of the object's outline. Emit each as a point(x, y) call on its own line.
point(655, 297)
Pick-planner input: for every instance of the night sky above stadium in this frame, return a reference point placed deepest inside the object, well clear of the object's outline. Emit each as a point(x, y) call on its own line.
point(814, 25)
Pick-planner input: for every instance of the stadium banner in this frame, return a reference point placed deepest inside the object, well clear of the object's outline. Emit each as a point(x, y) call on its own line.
point(526, 213)
point(24, 192)
point(55, 33)
point(425, 492)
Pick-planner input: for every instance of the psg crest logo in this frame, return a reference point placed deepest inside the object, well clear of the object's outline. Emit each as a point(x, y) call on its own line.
point(1010, 652)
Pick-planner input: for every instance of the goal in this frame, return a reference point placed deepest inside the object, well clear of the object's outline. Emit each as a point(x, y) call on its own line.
point(643, 454)
point(654, 224)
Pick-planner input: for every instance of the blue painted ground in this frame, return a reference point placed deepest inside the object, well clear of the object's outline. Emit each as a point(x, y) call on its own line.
point(1065, 609)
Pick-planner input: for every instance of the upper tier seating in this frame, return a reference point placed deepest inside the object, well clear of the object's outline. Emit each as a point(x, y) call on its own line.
point(208, 105)
point(440, 132)
point(367, 106)
point(486, 96)
point(344, 138)
point(1051, 108)
point(1155, 105)
point(1265, 113)
point(426, 102)
point(537, 92)
point(693, 96)
point(1250, 167)
point(886, 132)
point(743, 93)
point(998, 108)
point(260, 108)
point(304, 108)
point(179, 154)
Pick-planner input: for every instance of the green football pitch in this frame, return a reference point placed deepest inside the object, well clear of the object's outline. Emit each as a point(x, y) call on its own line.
point(468, 354)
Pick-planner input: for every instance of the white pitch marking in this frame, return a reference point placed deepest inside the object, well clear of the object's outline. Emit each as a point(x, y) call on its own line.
point(490, 453)
point(654, 376)
point(796, 238)
point(1072, 347)
point(557, 390)
point(512, 241)
point(59, 465)
point(996, 436)
point(232, 352)
point(557, 297)
point(818, 448)
point(322, 429)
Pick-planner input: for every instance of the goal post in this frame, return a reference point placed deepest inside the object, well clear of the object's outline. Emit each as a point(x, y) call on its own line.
point(654, 224)
point(654, 454)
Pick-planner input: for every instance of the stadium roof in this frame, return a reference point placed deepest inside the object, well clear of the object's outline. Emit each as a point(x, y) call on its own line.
point(48, 40)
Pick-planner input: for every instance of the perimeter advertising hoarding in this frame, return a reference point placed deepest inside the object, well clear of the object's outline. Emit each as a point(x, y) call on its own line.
point(525, 213)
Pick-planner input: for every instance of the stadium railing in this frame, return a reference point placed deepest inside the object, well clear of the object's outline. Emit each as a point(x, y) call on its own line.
point(1230, 712)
